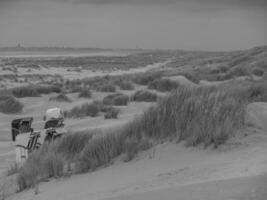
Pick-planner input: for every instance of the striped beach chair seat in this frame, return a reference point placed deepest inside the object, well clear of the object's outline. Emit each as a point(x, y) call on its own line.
point(33, 141)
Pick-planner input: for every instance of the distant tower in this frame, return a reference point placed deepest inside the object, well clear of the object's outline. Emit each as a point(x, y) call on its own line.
point(18, 46)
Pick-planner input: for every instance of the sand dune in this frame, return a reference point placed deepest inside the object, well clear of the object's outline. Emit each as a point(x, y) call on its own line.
point(172, 171)
point(36, 106)
point(171, 168)
point(251, 187)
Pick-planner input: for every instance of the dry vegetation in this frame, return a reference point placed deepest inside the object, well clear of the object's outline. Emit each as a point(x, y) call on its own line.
point(10, 105)
point(112, 113)
point(95, 108)
point(163, 85)
point(86, 109)
point(220, 66)
point(117, 99)
point(60, 98)
point(104, 63)
point(144, 95)
point(85, 93)
point(107, 88)
point(197, 115)
point(203, 115)
point(125, 85)
point(145, 79)
point(34, 91)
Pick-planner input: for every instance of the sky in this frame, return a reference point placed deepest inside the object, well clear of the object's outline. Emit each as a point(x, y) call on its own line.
point(212, 25)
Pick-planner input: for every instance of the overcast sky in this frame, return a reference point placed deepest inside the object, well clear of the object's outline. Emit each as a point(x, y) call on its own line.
point(168, 24)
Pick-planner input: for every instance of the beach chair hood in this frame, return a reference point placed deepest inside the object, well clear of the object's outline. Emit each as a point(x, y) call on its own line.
point(22, 125)
point(54, 113)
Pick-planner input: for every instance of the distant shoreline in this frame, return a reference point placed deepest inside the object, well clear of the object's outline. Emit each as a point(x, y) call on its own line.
point(64, 49)
point(28, 52)
point(34, 54)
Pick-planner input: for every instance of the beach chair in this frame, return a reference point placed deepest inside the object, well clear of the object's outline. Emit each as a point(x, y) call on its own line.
point(54, 124)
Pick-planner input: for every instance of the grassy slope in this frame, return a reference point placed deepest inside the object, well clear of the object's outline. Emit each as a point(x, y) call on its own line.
point(167, 165)
point(200, 115)
point(220, 66)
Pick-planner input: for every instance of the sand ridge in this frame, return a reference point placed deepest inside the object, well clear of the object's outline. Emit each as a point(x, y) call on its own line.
point(170, 167)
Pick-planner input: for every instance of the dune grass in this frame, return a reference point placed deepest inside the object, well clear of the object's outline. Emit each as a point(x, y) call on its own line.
point(258, 71)
point(41, 164)
point(144, 95)
point(112, 113)
point(25, 91)
point(117, 99)
point(109, 111)
point(145, 78)
point(163, 85)
point(12, 169)
point(107, 88)
point(252, 91)
point(34, 91)
point(192, 76)
point(84, 110)
point(197, 115)
point(258, 91)
point(10, 105)
point(47, 89)
point(60, 98)
point(49, 161)
point(85, 93)
point(125, 85)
